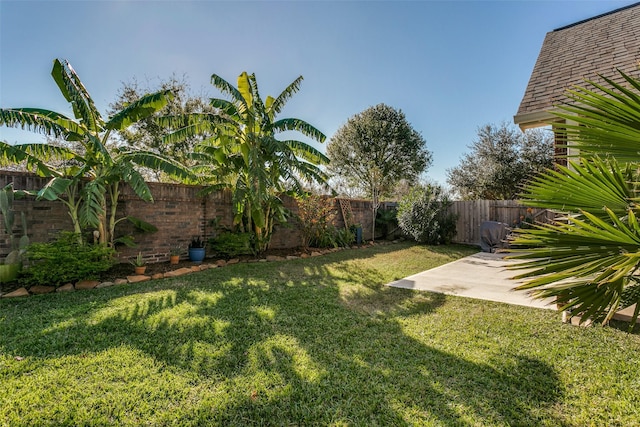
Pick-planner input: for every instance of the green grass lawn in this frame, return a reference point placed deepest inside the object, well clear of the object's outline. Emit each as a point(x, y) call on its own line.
point(319, 341)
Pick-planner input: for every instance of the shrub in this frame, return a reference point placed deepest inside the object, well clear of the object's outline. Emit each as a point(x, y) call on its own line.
point(387, 221)
point(345, 237)
point(316, 215)
point(229, 245)
point(65, 260)
point(422, 214)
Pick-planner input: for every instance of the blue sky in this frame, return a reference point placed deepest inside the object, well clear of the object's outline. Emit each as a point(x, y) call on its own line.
point(450, 66)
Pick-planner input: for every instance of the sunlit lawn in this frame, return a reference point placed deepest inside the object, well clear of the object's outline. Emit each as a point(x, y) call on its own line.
point(319, 341)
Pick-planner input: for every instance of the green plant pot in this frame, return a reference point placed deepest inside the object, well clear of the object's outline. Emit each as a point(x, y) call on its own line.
point(9, 272)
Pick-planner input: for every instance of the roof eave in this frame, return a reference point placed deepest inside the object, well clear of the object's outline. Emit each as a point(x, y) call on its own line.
point(535, 119)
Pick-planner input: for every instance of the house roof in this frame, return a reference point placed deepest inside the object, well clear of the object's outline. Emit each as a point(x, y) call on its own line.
point(583, 50)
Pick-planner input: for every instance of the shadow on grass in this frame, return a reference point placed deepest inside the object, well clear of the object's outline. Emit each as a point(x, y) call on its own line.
point(303, 343)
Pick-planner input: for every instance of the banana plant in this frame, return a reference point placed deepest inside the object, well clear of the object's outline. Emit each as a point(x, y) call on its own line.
point(589, 259)
point(87, 171)
point(241, 151)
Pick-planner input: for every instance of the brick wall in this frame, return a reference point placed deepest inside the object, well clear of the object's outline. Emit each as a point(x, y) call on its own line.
point(179, 212)
point(44, 219)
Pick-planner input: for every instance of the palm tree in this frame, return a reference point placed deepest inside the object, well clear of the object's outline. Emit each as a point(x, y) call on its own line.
point(88, 168)
point(241, 152)
point(589, 259)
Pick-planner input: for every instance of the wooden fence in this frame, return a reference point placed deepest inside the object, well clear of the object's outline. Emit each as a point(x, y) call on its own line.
point(472, 213)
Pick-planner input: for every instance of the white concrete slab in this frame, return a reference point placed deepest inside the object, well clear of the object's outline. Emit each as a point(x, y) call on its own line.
point(480, 276)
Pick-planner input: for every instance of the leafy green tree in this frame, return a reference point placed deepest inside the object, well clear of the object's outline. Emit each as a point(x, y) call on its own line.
point(501, 160)
point(241, 151)
point(376, 150)
point(588, 260)
point(147, 134)
point(88, 170)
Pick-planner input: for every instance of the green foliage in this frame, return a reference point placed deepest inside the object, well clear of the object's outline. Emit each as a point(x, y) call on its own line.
point(138, 261)
point(17, 245)
point(315, 219)
point(229, 244)
point(316, 216)
point(344, 237)
point(387, 221)
point(588, 260)
point(65, 260)
point(241, 152)
point(147, 134)
point(139, 225)
point(608, 116)
point(325, 238)
point(423, 214)
point(86, 152)
point(197, 242)
point(501, 160)
point(376, 149)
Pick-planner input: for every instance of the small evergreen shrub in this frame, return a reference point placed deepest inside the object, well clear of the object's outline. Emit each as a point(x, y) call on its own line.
point(65, 260)
point(229, 245)
point(423, 215)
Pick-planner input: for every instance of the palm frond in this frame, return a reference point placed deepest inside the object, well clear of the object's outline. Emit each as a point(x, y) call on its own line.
point(244, 89)
point(54, 188)
point(306, 152)
point(93, 201)
point(74, 92)
point(48, 152)
point(179, 121)
point(605, 121)
point(42, 121)
point(136, 181)
point(311, 173)
point(144, 107)
point(157, 162)
point(227, 88)
point(97, 152)
point(285, 95)
point(225, 107)
point(258, 104)
point(580, 258)
point(589, 262)
point(590, 185)
point(16, 154)
point(213, 188)
point(204, 127)
point(301, 126)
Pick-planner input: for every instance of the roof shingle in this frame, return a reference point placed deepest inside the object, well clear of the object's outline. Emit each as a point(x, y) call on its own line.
point(583, 50)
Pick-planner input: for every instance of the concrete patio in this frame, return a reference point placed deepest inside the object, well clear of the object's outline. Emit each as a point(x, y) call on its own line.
point(480, 276)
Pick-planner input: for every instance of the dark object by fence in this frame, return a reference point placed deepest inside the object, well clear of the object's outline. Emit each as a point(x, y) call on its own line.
point(493, 235)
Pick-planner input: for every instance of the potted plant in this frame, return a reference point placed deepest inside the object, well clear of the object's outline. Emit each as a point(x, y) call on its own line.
point(174, 255)
point(196, 250)
point(139, 264)
point(12, 264)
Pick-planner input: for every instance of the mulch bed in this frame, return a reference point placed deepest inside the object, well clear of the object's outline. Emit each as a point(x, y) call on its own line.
point(122, 270)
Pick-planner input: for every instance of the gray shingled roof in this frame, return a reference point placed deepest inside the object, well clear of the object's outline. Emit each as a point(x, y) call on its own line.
point(582, 50)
